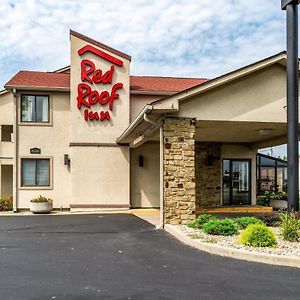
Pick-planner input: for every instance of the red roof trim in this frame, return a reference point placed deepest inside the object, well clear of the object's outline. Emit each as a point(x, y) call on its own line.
point(98, 44)
point(26, 79)
point(138, 84)
point(163, 84)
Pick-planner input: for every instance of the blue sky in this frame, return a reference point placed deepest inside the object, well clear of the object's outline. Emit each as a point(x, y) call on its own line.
point(188, 38)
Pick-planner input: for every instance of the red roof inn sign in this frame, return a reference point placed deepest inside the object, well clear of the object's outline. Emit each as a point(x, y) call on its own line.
point(89, 98)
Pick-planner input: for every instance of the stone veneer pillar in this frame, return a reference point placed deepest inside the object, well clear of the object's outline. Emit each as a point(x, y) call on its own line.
point(208, 174)
point(179, 171)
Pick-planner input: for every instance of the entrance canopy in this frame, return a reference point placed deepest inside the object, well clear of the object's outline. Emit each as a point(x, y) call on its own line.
point(212, 128)
point(245, 106)
point(257, 134)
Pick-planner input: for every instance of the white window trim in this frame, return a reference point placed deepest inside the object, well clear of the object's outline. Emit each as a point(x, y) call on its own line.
point(33, 93)
point(50, 187)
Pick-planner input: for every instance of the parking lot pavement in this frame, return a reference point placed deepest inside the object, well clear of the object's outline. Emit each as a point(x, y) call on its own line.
point(120, 256)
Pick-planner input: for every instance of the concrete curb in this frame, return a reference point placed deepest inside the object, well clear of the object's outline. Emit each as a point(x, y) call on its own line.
point(58, 213)
point(136, 212)
point(270, 259)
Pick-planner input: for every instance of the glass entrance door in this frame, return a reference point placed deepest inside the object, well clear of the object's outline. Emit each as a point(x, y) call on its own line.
point(236, 182)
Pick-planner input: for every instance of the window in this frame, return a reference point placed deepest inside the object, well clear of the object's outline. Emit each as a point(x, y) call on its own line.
point(35, 108)
point(282, 179)
point(267, 179)
point(271, 174)
point(35, 172)
point(267, 161)
point(6, 132)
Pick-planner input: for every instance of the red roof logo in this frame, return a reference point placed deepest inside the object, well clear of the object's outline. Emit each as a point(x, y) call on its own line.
point(110, 58)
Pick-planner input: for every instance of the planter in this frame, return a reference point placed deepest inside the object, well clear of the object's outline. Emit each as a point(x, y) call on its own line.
point(279, 204)
point(40, 207)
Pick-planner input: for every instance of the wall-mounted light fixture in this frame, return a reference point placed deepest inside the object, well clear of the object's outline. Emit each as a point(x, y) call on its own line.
point(265, 131)
point(141, 160)
point(211, 159)
point(67, 160)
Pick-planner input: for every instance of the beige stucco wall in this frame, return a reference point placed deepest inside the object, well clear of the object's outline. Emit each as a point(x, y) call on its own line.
point(137, 102)
point(6, 180)
point(6, 108)
point(250, 98)
point(231, 151)
point(99, 172)
point(53, 141)
point(100, 175)
point(144, 181)
point(258, 97)
point(6, 152)
point(6, 118)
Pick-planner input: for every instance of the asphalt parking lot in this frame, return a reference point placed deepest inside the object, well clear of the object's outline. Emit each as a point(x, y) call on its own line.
point(119, 256)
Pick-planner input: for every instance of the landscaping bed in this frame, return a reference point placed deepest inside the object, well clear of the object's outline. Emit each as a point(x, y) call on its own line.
point(6, 204)
point(282, 246)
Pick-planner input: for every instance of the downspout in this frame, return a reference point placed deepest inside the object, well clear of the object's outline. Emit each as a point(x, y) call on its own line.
point(15, 160)
point(161, 178)
point(148, 120)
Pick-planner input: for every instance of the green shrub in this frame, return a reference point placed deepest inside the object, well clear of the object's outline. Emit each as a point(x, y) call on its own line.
point(41, 199)
point(265, 198)
point(258, 235)
point(290, 227)
point(6, 203)
point(270, 219)
point(262, 201)
point(275, 195)
point(193, 224)
point(282, 195)
point(244, 222)
point(221, 227)
point(200, 221)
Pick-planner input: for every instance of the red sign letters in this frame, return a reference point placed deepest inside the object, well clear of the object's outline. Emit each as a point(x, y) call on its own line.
point(88, 97)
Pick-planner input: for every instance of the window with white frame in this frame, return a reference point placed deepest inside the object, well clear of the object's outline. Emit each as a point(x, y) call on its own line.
point(35, 172)
point(35, 108)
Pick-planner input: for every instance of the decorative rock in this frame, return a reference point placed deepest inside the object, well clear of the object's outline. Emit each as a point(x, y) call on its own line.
point(283, 248)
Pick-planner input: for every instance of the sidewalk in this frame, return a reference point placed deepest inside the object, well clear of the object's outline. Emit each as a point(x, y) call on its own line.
point(148, 214)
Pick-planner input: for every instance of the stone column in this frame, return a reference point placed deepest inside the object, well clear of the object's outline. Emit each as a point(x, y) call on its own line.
point(179, 171)
point(208, 174)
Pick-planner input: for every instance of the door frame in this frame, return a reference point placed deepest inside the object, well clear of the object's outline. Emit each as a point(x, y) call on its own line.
point(249, 160)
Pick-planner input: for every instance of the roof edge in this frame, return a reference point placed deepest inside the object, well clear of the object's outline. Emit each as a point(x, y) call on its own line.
point(2, 92)
point(133, 124)
point(37, 88)
point(271, 157)
point(224, 78)
point(53, 88)
point(61, 70)
point(96, 43)
point(171, 77)
point(152, 92)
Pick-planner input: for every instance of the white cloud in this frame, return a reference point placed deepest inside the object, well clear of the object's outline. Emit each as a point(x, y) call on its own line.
point(195, 38)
